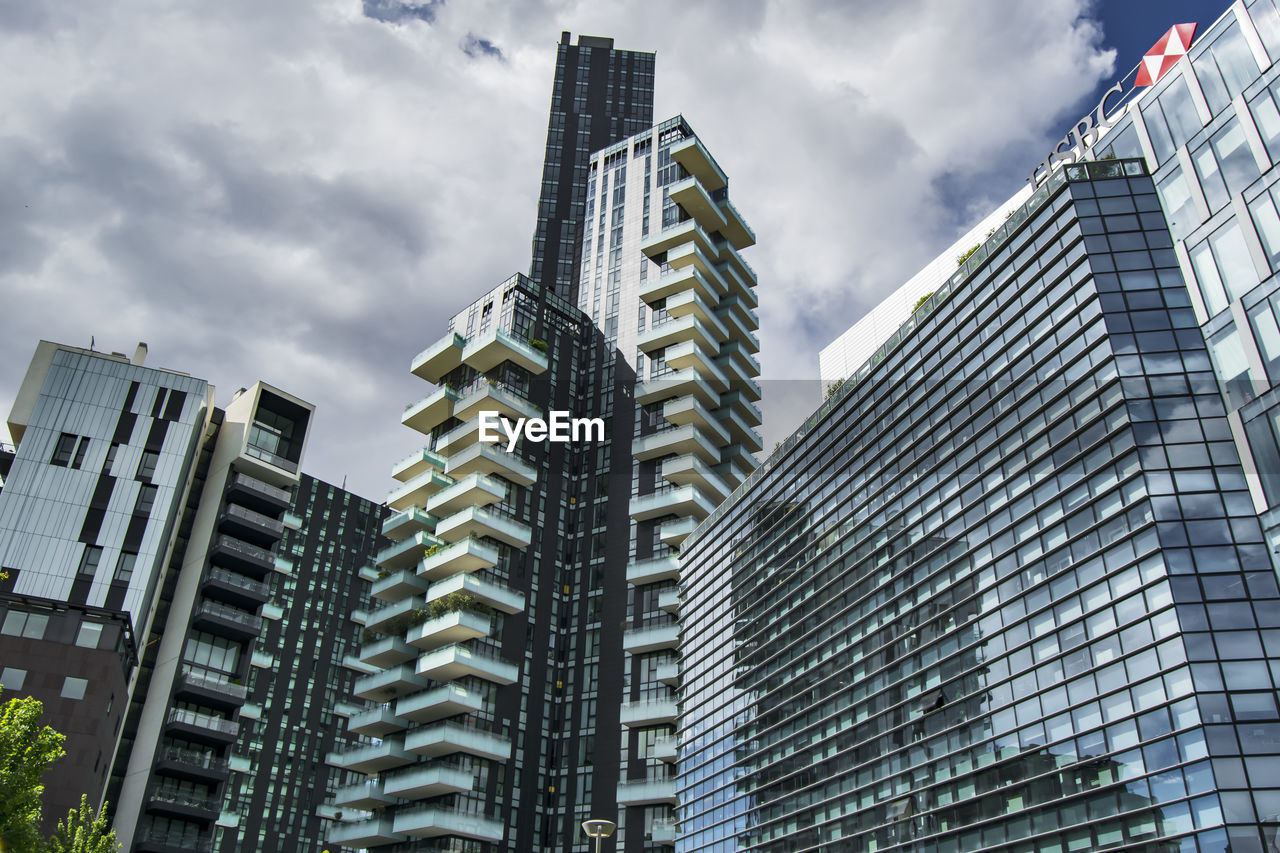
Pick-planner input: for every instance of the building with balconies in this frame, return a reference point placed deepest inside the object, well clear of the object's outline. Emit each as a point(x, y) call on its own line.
point(485, 717)
point(663, 278)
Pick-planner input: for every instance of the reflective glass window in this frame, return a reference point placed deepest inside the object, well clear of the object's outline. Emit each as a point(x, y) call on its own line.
point(1266, 115)
point(1225, 165)
point(1171, 119)
point(1266, 20)
point(1224, 68)
point(1266, 219)
point(1223, 267)
point(1175, 196)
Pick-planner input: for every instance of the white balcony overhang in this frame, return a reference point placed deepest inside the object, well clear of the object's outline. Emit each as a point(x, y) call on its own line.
point(495, 595)
point(648, 793)
point(488, 349)
point(736, 229)
point(676, 441)
point(697, 161)
point(648, 712)
point(416, 490)
point(472, 490)
point(680, 500)
point(439, 703)
point(697, 202)
point(677, 330)
point(488, 396)
point(477, 522)
point(453, 662)
point(466, 555)
point(407, 521)
point(689, 410)
point(431, 411)
point(377, 722)
point(639, 641)
point(388, 651)
point(455, 627)
point(677, 383)
point(653, 570)
point(692, 471)
point(451, 738)
point(424, 781)
point(415, 463)
point(376, 832)
point(491, 459)
point(674, 532)
point(438, 359)
point(435, 821)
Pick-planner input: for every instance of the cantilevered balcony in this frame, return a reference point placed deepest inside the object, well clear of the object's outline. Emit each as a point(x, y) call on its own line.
point(691, 355)
point(431, 411)
point(397, 585)
point(378, 618)
point(405, 553)
point(738, 273)
point(697, 202)
point(180, 802)
point(676, 441)
point(476, 522)
point(648, 792)
point(363, 795)
point(489, 396)
point(692, 471)
point(378, 721)
point(234, 588)
point(408, 521)
point(675, 331)
point(664, 748)
point(656, 569)
point(690, 303)
point(740, 331)
point(375, 832)
point(689, 231)
point(668, 672)
point(250, 525)
point(388, 684)
point(439, 359)
point(663, 832)
point(226, 621)
point(472, 490)
point(496, 595)
point(736, 229)
point(689, 410)
point(201, 728)
point(388, 651)
point(672, 533)
point(488, 458)
point(373, 758)
point(651, 638)
point(697, 161)
point(425, 781)
point(460, 437)
point(455, 627)
point(677, 500)
point(439, 703)
point(415, 463)
point(416, 490)
point(677, 383)
point(748, 411)
point(466, 555)
point(741, 431)
point(197, 765)
point(436, 821)
point(242, 556)
point(453, 662)
point(450, 738)
point(681, 280)
point(669, 600)
point(256, 495)
point(648, 712)
point(488, 349)
point(205, 687)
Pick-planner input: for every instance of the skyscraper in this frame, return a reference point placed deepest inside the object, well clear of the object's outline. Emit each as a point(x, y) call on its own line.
point(600, 95)
point(489, 721)
point(663, 278)
point(1019, 598)
point(280, 779)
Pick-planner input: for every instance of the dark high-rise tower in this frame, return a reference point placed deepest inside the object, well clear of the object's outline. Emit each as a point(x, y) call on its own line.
point(600, 96)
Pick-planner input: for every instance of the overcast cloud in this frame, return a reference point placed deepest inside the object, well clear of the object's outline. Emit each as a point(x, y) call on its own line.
point(304, 191)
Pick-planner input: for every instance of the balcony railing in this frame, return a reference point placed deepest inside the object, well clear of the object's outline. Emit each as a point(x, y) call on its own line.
point(242, 514)
point(244, 548)
point(240, 581)
point(203, 721)
point(186, 841)
point(209, 681)
point(249, 621)
point(194, 758)
point(180, 797)
point(253, 484)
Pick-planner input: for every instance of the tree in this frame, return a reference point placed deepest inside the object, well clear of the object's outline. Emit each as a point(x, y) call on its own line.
point(83, 832)
point(26, 751)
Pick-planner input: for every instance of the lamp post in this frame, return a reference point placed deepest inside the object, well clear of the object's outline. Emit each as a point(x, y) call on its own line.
point(598, 829)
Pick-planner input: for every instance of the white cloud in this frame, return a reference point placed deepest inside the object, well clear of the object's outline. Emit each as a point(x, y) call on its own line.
point(297, 192)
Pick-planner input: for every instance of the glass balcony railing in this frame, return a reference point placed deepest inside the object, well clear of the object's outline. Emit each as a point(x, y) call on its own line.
point(256, 486)
point(248, 621)
point(194, 758)
point(239, 581)
point(244, 549)
point(210, 681)
point(187, 799)
point(247, 515)
point(204, 721)
point(195, 842)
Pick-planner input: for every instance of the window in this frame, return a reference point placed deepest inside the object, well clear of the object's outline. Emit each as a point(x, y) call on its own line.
point(1223, 267)
point(147, 466)
point(89, 635)
point(218, 653)
point(89, 561)
point(1225, 165)
point(162, 395)
point(12, 678)
point(73, 688)
point(146, 500)
point(63, 450)
point(1176, 198)
point(1171, 119)
point(1225, 68)
point(1233, 367)
point(111, 458)
point(18, 623)
point(125, 566)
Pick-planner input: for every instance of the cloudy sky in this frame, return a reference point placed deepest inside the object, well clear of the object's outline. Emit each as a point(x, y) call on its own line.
point(303, 191)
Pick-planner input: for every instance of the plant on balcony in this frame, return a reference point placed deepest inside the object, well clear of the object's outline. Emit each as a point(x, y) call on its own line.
point(460, 600)
point(922, 300)
point(432, 551)
point(538, 344)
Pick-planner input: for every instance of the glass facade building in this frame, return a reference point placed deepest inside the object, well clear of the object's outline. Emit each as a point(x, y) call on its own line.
point(600, 95)
point(1008, 588)
point(304, 665)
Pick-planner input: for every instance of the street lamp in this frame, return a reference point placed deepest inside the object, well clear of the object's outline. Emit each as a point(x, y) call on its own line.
point(598, 829)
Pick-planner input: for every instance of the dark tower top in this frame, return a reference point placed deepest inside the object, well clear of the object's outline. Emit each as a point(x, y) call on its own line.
point(600, 96)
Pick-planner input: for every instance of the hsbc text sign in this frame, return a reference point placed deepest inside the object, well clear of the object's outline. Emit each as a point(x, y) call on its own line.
point(1081, 137)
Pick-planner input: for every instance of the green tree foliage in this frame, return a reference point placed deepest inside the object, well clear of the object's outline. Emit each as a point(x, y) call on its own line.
point(26, 751)
point(83, 832)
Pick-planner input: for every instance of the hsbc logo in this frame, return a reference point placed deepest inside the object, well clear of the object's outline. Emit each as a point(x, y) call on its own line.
point(1162, 56)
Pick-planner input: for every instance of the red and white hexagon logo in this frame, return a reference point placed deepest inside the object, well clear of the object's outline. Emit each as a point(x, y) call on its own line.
point(1165, 53)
